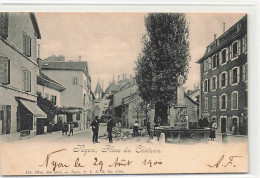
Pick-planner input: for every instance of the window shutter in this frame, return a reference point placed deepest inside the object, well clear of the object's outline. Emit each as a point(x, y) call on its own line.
point(243, 72)
point(24, 80)
point(239, 47)
point(210, 62)
point(203, 87)
point(30, 47)
point(4, 24)
point(243, 44)
point(216, 82)
point(219, 102)
point(24, 43)
point(230, 77)
point(220, 58)
point(226, 82)
point(230, 52)
point(219, 81)
point(226, 101)
point(238, 74)
point(4, 70)
point(227, 52)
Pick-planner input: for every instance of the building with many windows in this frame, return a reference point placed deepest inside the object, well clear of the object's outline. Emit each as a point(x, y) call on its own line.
point(19, 113)
point(224, 77)
point(76, 99)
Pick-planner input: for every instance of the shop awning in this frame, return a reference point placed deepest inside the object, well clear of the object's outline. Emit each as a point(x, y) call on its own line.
point(33, 108)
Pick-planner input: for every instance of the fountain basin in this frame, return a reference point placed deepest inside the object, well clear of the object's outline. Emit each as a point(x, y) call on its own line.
point(177, 135)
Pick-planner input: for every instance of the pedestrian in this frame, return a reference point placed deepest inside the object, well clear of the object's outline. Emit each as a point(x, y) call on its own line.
point(64, 128)
point(71, 128)
point(148, 127)
point(110, 125)
point(212, 134)
point(135, 128)
point(95, 127)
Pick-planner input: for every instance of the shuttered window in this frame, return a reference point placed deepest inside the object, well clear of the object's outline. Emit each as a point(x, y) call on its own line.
point(4, 70)
point(4, 24)
point(27, 44)
point(26, 80)
point(234, 100)
point(214, 103)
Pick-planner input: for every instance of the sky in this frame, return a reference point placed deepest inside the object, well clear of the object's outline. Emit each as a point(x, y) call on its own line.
point(111, 42)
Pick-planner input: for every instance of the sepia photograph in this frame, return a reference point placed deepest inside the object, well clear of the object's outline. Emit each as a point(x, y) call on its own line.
point(87, 93)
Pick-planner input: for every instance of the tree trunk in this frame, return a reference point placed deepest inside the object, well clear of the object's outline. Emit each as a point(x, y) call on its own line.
point(161, 114)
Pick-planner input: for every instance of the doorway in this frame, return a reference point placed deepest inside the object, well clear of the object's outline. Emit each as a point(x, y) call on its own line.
point(223, 125)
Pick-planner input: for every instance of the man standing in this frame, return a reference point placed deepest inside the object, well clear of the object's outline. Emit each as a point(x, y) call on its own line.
point(95, 127)
point(110, 125)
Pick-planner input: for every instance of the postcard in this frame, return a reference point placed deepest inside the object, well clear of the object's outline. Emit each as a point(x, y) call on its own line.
point(95, 93)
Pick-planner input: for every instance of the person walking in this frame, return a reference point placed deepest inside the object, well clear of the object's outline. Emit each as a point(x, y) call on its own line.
point(212, 134)
point(64, 128)
point(135, 128)
point(110, 125)
point(95, 127)
point(71, 128)
point(148, 127)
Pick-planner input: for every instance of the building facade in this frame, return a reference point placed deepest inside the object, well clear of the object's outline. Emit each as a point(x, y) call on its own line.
point(19, 113)
point(76, 99)
point(224, 80)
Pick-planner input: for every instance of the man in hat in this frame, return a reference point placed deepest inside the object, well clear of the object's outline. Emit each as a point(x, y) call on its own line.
point(95, 127)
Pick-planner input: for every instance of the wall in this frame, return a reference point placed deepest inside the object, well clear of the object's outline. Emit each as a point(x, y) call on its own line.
point(45, 90)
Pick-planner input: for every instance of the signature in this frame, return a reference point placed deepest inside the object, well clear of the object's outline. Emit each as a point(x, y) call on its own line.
point(225, 163)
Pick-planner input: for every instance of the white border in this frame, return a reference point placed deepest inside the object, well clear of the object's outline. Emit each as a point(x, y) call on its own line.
point(252, 7)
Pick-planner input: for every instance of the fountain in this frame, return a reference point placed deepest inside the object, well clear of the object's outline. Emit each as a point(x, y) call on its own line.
point(179, 130)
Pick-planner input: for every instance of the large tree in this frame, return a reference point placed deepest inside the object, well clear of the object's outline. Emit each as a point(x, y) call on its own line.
point(164, 57)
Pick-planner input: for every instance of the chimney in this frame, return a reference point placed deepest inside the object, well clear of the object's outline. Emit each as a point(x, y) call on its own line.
point(79, 58)
point(215, 37)
point(39, 46)
point(102, 87)
point(224, 27)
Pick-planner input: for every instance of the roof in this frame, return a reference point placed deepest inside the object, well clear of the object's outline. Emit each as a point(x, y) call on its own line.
point(98, 88)
point(35, 25)
point(61, 65)
point(187, 96)
point(239, 28)
point(44, 80)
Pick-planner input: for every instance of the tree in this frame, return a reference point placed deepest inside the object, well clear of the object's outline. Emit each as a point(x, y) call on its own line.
point(164, 57)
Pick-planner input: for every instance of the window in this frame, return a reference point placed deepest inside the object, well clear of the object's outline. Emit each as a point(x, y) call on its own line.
point(206, 85)
point(234, 100)
point(223, 80)
point(47, 96)
point(214, 103)
point(4, 70)
point(244, 44)
point(206, 65)
point(214, 61)
point(206, 104)
point(244, 72)
point(235, 51)
point(75, 81)
point(223, 102)
point(26, 80)
point(234, 75)
point(214, 83)
point(4, 24)
point(223, 56)
point(54, 99)
point(26, 44)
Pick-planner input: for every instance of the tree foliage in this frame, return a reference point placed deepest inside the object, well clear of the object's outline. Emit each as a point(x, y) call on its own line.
point(47, 106)
point(164, 57)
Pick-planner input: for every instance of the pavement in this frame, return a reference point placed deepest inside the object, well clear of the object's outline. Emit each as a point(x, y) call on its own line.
point(86, 136)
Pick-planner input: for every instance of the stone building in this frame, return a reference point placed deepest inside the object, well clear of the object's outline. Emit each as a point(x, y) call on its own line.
point(76, 100)
point(19, 113)
point(224, 80)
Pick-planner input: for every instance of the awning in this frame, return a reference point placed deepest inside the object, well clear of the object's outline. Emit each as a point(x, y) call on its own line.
point(34, 109)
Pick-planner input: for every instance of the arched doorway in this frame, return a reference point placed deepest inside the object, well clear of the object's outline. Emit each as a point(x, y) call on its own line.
point(234, 125)
point(223, 125)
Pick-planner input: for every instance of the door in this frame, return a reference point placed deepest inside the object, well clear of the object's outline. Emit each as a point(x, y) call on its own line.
point(223, 125)
point(40, 126)
point(5, 116)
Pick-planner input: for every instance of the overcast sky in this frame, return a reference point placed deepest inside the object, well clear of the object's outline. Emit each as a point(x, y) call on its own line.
point(110, 42)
